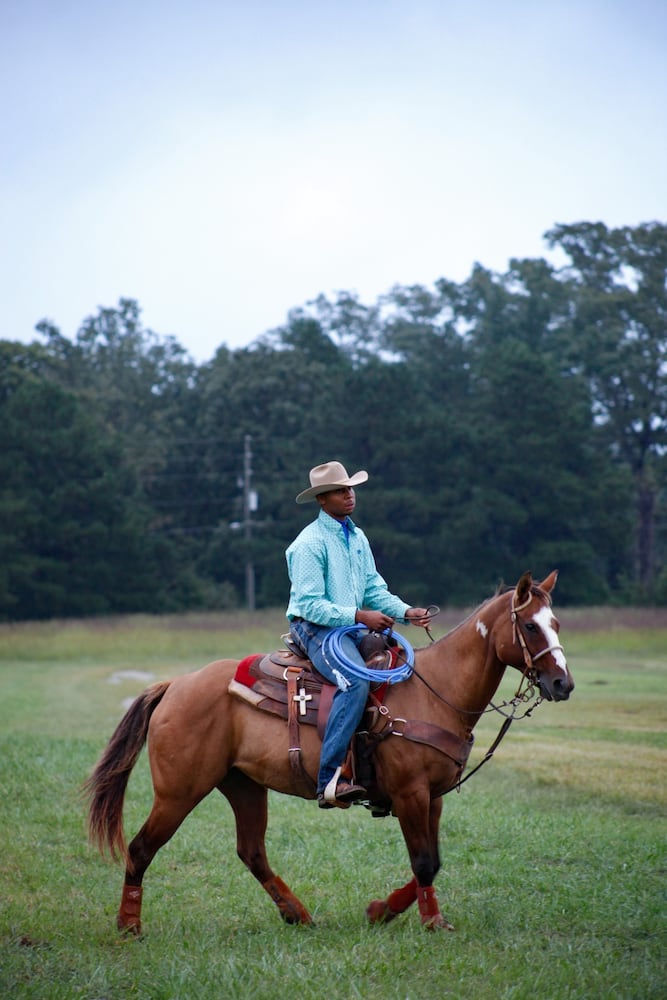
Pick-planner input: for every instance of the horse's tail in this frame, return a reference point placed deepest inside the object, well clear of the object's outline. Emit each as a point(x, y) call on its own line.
point(107, 784)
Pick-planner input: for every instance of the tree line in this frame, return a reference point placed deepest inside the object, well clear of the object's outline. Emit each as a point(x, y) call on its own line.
point(511, 421)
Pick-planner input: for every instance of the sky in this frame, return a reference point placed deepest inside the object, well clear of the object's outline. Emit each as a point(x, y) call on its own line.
point(224, 162)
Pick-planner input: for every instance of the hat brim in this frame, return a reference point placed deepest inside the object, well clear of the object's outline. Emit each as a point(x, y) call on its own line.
point(356, 480)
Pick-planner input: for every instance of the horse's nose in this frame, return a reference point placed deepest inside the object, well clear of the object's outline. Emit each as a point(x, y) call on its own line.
point(563, 688)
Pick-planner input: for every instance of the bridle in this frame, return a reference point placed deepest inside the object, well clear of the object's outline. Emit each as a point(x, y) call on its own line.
point(529, 659)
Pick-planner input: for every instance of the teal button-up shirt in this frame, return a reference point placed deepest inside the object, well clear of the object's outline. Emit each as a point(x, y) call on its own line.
point(333, 576)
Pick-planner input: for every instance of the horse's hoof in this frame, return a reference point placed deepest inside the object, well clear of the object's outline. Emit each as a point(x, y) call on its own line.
point(437, 922)
point(293, 919)
point(295, 914)
point(129, 930)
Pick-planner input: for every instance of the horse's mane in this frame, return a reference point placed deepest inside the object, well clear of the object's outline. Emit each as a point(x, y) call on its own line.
point(501, 589)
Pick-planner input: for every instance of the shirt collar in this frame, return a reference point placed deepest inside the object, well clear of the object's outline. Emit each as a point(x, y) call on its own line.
point(335, 526)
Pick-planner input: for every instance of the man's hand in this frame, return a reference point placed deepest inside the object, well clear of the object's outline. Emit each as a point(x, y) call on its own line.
point(418, 616)
point(376, 621)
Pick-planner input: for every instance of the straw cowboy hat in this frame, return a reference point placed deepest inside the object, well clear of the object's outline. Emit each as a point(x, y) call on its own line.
point(330, 476)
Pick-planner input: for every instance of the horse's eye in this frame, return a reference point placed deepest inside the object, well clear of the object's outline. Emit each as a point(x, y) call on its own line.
point(531, 627)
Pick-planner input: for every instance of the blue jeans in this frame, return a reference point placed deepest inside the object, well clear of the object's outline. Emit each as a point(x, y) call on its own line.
point(349, 701)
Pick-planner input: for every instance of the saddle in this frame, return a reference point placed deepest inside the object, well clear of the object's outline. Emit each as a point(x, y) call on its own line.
point(285, 683)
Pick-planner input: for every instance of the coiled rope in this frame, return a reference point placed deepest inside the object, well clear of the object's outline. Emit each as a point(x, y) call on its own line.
point(332, 651)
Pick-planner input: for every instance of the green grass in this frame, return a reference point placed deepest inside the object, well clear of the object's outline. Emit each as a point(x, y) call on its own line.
point(554, 855)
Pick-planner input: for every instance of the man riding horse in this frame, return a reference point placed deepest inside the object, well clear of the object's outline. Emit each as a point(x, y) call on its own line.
point(334, 583)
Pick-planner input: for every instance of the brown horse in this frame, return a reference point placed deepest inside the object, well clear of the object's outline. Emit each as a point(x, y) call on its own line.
point(201, 738)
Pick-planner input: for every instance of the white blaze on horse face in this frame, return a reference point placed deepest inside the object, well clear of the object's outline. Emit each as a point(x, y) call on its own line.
point(481, 628)
point(544, 619)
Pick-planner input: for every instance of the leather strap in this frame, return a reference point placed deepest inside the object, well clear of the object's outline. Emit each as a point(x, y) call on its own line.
point(433, 736)
point(294, 674)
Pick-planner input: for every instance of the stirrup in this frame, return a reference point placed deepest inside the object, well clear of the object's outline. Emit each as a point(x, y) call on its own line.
point(330, 790)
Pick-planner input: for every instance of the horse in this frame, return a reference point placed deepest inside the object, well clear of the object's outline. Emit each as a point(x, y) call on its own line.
point(202, 737)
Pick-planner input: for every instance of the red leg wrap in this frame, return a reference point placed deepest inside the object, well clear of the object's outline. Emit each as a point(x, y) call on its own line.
point(381, 911)
point(129, 914)
point(428, 905)
point(399, 900)
point(429, 909)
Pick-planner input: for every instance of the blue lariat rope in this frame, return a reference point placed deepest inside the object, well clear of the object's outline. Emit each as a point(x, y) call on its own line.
point(331, 647)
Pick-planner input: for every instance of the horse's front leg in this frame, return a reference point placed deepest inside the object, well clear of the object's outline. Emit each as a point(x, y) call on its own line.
point(420, 820)
point(427, 901)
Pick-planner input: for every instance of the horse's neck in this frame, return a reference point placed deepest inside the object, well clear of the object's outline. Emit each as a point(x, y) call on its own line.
point(462, 667)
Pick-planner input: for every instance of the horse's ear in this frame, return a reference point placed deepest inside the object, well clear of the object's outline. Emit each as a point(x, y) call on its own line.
point(550, 581)
point(523, 587)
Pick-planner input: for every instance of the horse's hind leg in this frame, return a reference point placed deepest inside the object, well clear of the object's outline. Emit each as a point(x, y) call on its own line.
point(249, 802)
point(163, 822)
point(381, 911)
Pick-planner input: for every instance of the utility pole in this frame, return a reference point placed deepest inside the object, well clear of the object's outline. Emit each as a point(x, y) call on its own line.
point(249, 505)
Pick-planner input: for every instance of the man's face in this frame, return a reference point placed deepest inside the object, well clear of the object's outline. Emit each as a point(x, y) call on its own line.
point(338, 503)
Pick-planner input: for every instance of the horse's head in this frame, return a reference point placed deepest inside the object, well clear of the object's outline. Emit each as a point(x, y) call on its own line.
point(535, 643)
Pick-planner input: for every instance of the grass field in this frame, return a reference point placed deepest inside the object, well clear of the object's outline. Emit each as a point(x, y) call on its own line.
point(554, 855)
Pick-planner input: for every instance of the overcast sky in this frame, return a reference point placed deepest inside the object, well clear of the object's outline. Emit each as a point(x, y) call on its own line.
point(222, 162)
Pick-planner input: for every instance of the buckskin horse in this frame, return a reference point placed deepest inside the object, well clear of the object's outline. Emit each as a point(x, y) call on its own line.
point(202, 735)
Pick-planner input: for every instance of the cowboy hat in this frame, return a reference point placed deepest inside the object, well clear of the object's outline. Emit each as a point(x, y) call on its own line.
point(330, 476)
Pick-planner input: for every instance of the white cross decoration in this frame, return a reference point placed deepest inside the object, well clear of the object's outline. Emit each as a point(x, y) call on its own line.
point(302, 698)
